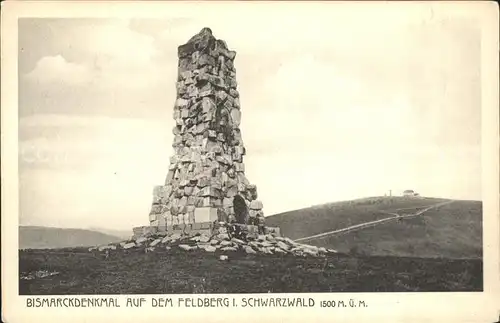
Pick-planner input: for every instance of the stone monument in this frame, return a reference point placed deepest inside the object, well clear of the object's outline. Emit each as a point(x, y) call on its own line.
point(206, 180)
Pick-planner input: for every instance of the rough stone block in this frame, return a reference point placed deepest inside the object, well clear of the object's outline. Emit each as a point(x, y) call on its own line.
point(188, 190)
point(221, 96)
point(205, 215)
point(227, 202)
point(241, 187)
point(232, 191)
point(256, 205)
point(191, 217)
point(192, 199)
point(229, 211)
point(206, 59)
point(234, 93)
point(208, 92)
point(242, 179)
point(215, 202)
point(129, 245)
point(236, 117)
point(228, 105)
point(206, 225)
point(239, 167)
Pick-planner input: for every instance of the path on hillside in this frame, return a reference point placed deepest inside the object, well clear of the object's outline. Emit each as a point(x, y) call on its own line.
point(395, 215)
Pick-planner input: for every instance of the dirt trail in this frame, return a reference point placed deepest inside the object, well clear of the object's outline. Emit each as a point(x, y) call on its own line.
point(395, 215)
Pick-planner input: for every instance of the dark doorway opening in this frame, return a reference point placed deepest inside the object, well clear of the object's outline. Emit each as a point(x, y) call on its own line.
point(240, 209)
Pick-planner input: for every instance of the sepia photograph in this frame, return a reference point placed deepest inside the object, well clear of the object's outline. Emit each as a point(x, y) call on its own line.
point(251, 154)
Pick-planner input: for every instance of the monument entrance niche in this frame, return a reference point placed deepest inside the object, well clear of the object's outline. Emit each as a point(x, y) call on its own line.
point(240, 209)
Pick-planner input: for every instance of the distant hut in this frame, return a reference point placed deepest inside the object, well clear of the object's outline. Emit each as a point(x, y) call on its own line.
point(409, 193)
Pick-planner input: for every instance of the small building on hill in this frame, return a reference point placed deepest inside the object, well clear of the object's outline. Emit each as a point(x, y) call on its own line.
point(410, 193)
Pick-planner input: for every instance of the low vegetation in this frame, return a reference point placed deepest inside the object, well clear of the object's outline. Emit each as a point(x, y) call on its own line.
point(179, 271)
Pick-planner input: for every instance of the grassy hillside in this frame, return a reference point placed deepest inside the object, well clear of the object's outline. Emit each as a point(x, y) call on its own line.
point(451, 231)
point(327, 217)
point(178, 271)
point(124, 234)
point(35, 237)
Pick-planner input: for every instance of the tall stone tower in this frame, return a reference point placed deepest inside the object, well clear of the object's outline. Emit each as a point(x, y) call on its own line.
point(206, 179)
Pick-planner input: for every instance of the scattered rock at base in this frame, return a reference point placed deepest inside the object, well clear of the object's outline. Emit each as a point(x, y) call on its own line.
point(155, 242)
point(249, 250)
point(223, 236)
point(185, 247)
point(204, 238)
point(128, 245)
point(222, 241)
point(208, 248)
point(282, 245)
point(38, 274)
point(175, 236)
point(110, 247)
point(238, 241)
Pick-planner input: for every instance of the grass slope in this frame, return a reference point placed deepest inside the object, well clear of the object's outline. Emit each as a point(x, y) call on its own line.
point(451, 231)
point(35, 237)
point(177, 271)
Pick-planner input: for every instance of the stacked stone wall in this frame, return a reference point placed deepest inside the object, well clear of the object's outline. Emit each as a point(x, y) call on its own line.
point(206, 172)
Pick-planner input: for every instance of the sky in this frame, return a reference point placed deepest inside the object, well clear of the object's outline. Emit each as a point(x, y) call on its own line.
point(332, 110)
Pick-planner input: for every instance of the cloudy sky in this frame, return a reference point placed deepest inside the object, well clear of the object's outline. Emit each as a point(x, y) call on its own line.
point(331, 110)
